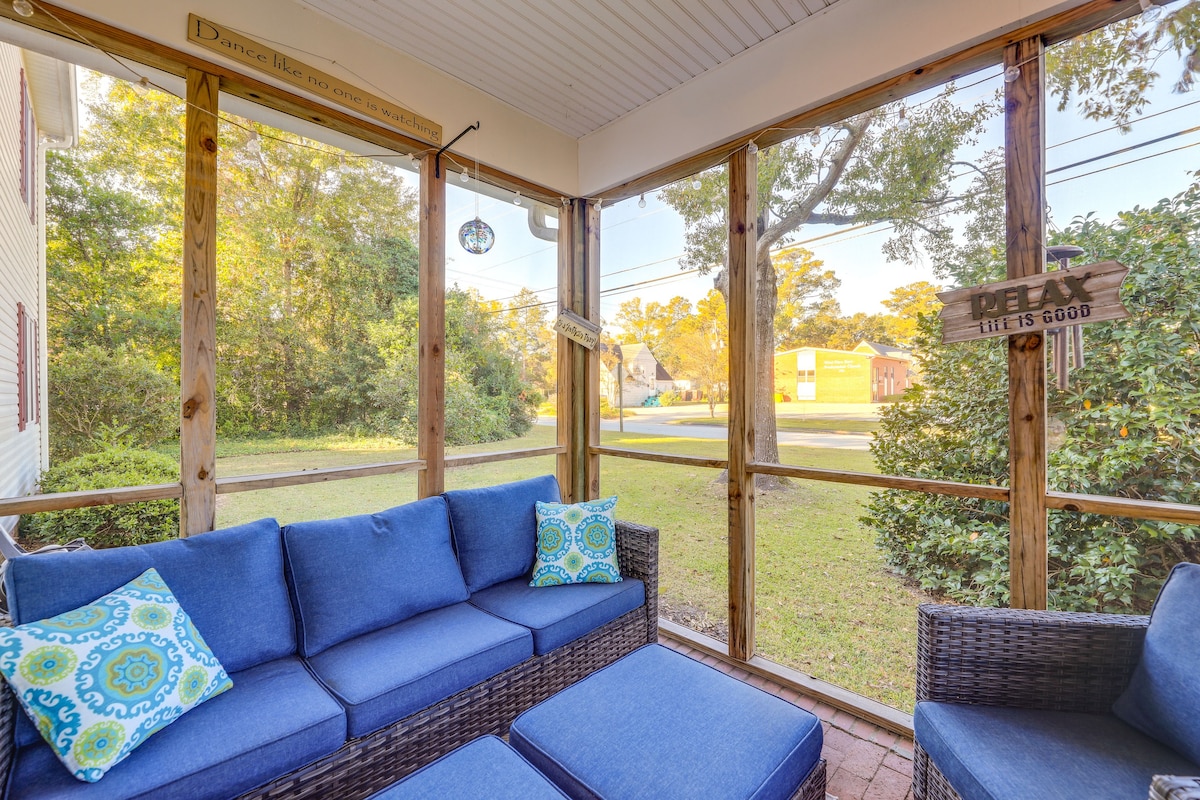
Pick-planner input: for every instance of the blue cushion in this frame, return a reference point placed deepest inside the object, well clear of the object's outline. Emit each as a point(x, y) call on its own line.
point(358, 574)
point(484, 769)
point(657, 724)
point(230, 581)
point(1163, 698)
point(495, 529)
point(384, 676)
point(990, 753)
point(275, 719)
point(101, 679)
point(560, 614)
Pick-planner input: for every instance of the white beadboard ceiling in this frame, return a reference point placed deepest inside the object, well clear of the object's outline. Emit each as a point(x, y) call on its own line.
point(574, 64)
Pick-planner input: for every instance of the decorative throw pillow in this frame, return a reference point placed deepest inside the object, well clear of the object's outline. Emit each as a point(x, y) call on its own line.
point(576, 543)
point(99, 680)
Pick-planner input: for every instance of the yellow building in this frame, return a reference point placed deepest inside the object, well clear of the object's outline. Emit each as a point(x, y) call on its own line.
point(868, 374)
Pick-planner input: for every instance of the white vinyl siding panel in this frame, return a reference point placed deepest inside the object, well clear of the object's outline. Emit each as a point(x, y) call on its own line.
point(21, 452)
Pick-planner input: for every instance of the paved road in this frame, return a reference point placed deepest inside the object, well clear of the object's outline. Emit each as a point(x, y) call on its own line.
point(658, 427)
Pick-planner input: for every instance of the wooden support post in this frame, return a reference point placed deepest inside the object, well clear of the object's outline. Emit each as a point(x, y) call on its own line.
point(1024, 141)
point(743, 246)
point(567, 232)
point(591, 383)
point(431, 332)
point(198, 358)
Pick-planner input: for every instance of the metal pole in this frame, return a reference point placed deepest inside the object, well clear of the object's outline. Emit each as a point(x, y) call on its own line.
point(620, 396)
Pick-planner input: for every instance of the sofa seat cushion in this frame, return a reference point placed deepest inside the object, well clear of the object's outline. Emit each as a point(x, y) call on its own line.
point(495, 529)
point(384, 676)
point(483, 769)
point(276, 718)
point(660, 726)
point(560, 614)
point(990, 753)
point(353, 575)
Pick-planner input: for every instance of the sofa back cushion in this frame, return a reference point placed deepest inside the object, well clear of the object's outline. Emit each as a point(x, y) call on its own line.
point(230, 582)
point(1163, 698)
point(495, 529)
point(353, 575)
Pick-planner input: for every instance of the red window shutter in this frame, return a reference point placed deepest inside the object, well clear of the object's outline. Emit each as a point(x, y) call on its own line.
point(22, 401)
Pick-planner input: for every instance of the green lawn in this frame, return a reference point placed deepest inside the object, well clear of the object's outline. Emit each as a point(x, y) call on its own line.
point(826, 603)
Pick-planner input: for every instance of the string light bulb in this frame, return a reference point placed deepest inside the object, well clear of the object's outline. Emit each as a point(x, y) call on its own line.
point(517, 199)
point(1012, 73)
point(23, 7)
point(696, 183)
point(642, 201)
point(752, 148)
point(1150, 11)
point(464, 177)
point(142, 87)
point(814, 138)
point(904, 123)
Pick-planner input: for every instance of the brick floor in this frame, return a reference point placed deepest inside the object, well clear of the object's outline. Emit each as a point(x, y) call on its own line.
point(864, 762)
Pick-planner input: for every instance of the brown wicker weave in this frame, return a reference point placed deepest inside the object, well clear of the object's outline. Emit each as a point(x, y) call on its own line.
point(367, 764)
point(1056, 661)
point(813, 787)
point(1173, 787)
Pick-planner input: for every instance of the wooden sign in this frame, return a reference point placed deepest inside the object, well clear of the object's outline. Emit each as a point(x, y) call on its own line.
point(1090, 293)
point(577, 329)
point(266, 59)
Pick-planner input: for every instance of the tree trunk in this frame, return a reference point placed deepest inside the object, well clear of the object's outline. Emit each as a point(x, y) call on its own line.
point(766, 439)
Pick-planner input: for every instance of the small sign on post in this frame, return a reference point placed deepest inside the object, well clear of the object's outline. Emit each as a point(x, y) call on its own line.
point(577, 329)
point(1089, 293)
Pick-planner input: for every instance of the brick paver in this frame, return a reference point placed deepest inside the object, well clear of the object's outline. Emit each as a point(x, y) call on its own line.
point(864, 762)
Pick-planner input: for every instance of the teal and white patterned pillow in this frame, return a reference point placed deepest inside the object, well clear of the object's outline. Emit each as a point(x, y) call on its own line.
point(99, 680)
point(576, 543)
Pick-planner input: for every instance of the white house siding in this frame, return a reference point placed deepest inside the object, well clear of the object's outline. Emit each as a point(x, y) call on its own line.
point(22, 280)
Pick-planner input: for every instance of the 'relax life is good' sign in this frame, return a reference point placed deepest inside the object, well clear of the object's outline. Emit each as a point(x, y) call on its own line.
point(1089, 293)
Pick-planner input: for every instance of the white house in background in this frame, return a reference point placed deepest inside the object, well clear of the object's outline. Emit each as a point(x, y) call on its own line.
point(37, 111)
point(642, 376)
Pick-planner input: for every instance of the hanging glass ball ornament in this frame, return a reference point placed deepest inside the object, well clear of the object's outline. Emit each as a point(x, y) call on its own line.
point(476, 236)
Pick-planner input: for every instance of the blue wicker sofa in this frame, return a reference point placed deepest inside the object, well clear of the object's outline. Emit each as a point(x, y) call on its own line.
point(359, 648)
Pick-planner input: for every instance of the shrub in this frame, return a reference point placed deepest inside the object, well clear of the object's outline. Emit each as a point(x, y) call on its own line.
point(99, 398)
point(668, 399)
point(106, 526)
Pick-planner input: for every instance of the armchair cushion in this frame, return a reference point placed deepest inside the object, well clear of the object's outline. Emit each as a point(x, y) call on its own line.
point(996, 753)
point(1163, 698)
point(495, 529)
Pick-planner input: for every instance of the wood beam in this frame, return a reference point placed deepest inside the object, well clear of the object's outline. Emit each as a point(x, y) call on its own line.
point(591, 382)
point(566, 422)
point(198, 359)
point(1025, 189)
point(743, 245)
point(431, 332)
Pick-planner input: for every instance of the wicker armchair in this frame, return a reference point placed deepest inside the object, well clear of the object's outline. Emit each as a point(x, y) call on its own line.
point(1054, 661)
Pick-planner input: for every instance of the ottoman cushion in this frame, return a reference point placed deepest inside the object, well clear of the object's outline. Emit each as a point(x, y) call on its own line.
point(657, 724)
point(485, 769)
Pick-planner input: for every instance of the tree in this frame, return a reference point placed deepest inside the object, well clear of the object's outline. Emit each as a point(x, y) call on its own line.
point(865, 169)
point(656, 326)
point(702, 348)
point(907, 303)
point(1131, 428)
point(530, 339)
point(806, 299)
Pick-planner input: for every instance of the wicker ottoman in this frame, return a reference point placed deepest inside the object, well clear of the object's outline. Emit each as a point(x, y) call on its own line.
point(659, 725)
point(483, 769)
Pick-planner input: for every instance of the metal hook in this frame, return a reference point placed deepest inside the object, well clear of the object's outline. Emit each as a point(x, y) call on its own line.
point(437, 160)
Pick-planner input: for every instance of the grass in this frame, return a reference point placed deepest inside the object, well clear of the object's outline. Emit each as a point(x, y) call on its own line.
point(797, 424)
point(826, 603)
